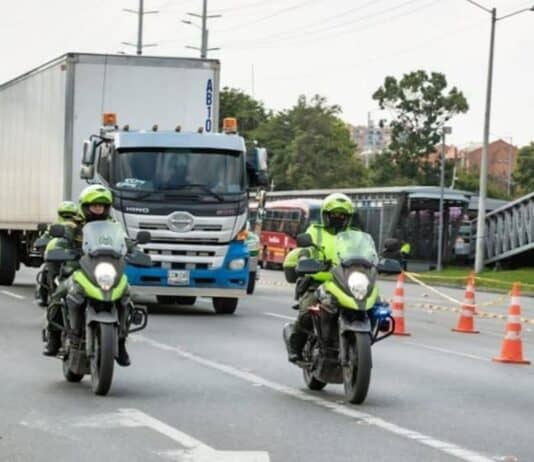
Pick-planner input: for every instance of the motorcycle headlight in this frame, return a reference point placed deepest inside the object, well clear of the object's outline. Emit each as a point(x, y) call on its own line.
point(105, 274)
point(358, 285)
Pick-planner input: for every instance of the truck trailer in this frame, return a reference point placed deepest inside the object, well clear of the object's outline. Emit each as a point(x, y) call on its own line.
point(52, 115)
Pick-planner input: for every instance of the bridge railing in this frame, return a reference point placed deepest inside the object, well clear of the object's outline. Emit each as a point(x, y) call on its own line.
point(510, 229)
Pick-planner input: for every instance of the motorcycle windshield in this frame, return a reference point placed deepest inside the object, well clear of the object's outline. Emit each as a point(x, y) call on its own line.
point(356, 245)
point(103, 235)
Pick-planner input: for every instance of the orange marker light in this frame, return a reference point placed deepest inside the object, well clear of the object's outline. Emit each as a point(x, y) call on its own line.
point(109, 118)
point(229, 125)
point(242, 236)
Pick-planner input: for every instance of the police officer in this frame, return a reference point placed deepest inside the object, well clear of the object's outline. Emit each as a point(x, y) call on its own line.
point(94, 203)
point(336, 214)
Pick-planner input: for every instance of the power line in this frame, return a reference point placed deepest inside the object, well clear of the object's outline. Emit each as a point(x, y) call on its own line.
point(404, 51)
point(332, 31)
point(322, 22)
point(246, 6)
point(272, 15)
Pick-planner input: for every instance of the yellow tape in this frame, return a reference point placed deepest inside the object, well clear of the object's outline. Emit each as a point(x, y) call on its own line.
point(496, 301)
point(478, 278)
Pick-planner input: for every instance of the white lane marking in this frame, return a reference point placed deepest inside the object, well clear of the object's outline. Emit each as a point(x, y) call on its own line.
point(446, 351)
point(12, 294)
point(281, 316)
point(443, 446)
point(195, 450)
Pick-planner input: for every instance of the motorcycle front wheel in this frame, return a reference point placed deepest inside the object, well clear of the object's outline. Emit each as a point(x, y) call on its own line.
point(102, 357)
point(357, 373)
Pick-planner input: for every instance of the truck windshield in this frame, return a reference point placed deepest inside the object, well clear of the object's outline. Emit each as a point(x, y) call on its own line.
point(167, 170)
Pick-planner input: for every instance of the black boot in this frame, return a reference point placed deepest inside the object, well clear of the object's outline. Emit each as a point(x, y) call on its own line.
point(123, 358)
point(296, 343)
point(53, 342)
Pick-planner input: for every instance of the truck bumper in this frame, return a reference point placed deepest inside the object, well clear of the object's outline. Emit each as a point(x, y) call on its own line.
point(215, 282)
point(186, 291)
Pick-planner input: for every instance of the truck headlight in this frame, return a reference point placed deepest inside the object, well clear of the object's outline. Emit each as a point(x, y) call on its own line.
point(105, 274)
point(358, 285)
point(237, 264)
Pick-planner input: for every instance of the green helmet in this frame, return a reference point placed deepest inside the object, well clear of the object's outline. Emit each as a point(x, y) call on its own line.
point(95, 195)
point(336, 212)
point(67, 209)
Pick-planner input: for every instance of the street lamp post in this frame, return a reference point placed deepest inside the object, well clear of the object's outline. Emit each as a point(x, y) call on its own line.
point(481, 219)
point(446, 131)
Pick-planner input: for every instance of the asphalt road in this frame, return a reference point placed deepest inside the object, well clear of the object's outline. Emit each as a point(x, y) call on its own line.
point(219, 388)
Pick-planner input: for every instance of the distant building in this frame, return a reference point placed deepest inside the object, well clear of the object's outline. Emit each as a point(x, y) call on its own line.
point(371, 138)
point(452, 153)
point(501, 162)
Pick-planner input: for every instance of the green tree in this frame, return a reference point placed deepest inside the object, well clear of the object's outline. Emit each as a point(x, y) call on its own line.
point(523, 175)
point(422, 105)
point(470, 181)
point(310, 147)
point(250, 113)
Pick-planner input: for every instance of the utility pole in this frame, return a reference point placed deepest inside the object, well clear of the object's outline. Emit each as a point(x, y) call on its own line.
point(204, 37)
point(446, 131)
point(481, 218)
point(140, 16)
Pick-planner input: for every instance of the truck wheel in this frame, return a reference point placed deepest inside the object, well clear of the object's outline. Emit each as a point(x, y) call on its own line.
point(224, 305)
point(251, 282)
point(8, 260)
point(172, 300)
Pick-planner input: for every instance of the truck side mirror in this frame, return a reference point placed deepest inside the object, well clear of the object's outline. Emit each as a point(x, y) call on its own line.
point(88, 153)
point(87, 172)
point(257, 167)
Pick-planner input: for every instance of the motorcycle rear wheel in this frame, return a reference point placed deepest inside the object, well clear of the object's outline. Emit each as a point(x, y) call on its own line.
point(357, 373)
point(102, 357)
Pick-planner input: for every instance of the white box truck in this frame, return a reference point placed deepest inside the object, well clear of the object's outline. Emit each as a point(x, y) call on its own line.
point(47, 113)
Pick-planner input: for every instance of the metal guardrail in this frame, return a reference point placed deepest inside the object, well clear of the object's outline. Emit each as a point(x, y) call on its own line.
point(510, 229)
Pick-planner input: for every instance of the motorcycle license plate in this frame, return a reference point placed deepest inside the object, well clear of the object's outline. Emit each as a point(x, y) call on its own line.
point(178, 278)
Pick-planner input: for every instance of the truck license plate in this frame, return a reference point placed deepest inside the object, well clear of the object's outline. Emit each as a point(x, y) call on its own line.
point(178, 278)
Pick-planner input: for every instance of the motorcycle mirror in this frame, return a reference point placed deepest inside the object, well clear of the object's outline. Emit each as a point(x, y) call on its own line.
point(305, 240)
point(140, 259)
point(143, 237)
point(42, 227)
point(57, 230)
point(389, 266)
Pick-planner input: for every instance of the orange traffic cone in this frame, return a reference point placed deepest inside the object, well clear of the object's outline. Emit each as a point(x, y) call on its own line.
point(512, 346)
point(398, 307)
point(466, 323)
